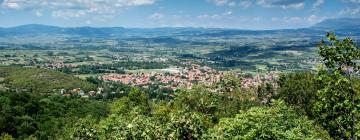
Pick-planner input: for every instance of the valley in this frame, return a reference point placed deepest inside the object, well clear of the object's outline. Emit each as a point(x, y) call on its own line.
point(180, 83)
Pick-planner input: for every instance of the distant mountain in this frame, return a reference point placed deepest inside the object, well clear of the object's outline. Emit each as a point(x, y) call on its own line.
point(339, 23)
point(342, 26)
point(35, 29)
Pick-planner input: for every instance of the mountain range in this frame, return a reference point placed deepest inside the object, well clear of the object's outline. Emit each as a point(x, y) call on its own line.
point(343, 26)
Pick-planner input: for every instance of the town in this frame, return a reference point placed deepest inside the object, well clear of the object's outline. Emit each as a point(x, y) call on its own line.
point(173, 77)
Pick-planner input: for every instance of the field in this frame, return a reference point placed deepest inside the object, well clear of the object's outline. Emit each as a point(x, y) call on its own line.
point(113, 50)
point(241, 53)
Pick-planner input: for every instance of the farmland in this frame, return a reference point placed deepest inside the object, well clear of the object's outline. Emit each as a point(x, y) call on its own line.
point(248, 53)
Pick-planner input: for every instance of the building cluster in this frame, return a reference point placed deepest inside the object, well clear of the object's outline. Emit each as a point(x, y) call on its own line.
point(80, 92)
point(313, 61)
point(60, 65)
point(185, 77)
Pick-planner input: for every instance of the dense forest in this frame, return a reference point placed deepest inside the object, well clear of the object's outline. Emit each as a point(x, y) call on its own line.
point(321, 104)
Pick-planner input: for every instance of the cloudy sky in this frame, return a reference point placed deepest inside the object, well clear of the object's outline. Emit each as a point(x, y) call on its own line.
point(241, 14)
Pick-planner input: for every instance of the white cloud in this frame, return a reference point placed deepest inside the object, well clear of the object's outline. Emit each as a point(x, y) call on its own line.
point(156, 16)
point(177, 16)
point(274, 19)
point(318, 3)
point(355, 1)
point(232, 3)
point(66, 14)
point(285, 4)
point(38, 13)
point(349, 11)
point(215, 16)
point(75, 8)
point(309, 20)
point(88, 22)
point(11, 5)
point(293, 19)
point(313, 19)
point(227, 13)
point(257, 19)
point(245, 3)
point(220, 2)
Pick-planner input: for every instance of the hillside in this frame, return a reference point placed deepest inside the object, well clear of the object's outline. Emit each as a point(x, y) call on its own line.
point(340, 23)
point(347, 26)
point(41, 80)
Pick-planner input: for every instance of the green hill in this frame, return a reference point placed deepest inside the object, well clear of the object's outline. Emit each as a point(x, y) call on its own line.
point(41, 80)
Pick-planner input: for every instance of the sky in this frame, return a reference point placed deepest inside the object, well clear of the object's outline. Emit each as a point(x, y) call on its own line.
point(237, 14)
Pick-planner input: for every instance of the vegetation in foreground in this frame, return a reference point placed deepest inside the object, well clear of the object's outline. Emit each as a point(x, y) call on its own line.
point(303, 105)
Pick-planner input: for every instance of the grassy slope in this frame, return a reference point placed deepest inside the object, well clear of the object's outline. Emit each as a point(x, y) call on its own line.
point(41, 80)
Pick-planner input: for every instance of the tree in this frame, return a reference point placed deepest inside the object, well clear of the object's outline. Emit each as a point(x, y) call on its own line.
point(275, 122)
point(265, 92)
point(83, 129)
point(50, 53)
point(298, 89)
point(338, 102)
point(216, 105)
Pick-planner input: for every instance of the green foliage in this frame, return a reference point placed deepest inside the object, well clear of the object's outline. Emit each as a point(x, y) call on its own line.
point(230, 85)
point(131, 119)
point(188, 116)
point(298, 89)
point(339, 54)
point(186, 125)
point(112, 90)
point(136, 98)
point(232, 97)
point(6, 137)
point(127, 120)
point(222, 111)
point(275, 122)
point(25, 114)
point(181, 125)
point(198, 99)
point(126, 127)
point(218, 105)
point(338, 101)
point(83, 129)
point(41, 80)
point(265, 92)
point(337, 105)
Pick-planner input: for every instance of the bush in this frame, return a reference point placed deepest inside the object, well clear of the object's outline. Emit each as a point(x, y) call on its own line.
point(275, 122)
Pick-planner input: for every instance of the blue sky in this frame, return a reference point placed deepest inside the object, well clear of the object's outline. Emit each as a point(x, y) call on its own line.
point(240, 14)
